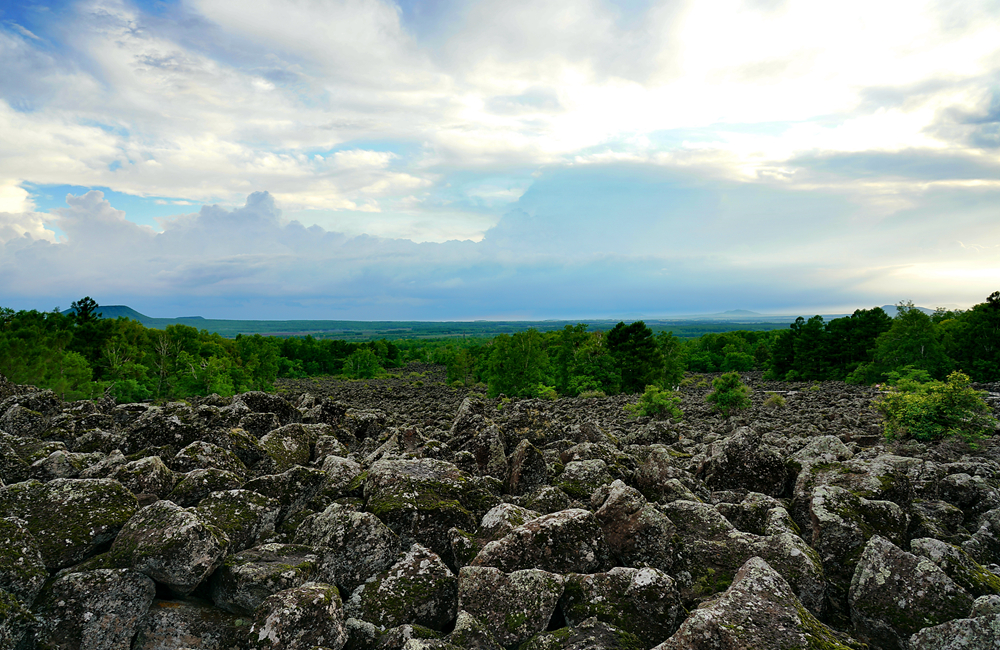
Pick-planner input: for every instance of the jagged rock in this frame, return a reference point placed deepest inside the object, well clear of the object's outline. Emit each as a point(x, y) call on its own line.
point(356, 545)
point(744, 461)
point(288, 446)
point(343, 476)
point(300, 618)
point(16, 622)
point(984, 545)
point(361, 635)
point(528, 470)
point(937, 519)
point(419, 589)
point(171, 545)
point(93, 610)
point(547, 500)
point(176, 425)
point(961, 568)
point(637, 533)
point(261, 402)
point(22, 570)
point(247, 578)
point(580, 478)
point(293, 489)
point(591, 634)
point(106, 466)
point(243, 515)
point(823, 449)
point(148, 475)
point(562, 542)
point(199, 483)
point(759, 514)
point(512, 607)
point(190, 625)
point(657, 466)
point(328, 445)
point(972, 494)
point(490, 454)
point(412, 637)
point(63, 464)
point(470, 634)
point(894, 594)
point(205, 455)
point(758, 610)
point(13, 469)
point(985, 606)
point(980, 633)
point(503, 519)
point(20, 420)
point(362, 424)
point(843, 522)
point(421, 500)
point(70, 519)
point(644, 602)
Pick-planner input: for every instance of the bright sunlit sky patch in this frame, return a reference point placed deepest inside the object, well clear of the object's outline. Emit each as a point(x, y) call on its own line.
point(448, 159)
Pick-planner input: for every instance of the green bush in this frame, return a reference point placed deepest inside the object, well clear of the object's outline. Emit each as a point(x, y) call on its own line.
point(546, 392)
point(588, 394)
point(775, 401)
point(729, 394)
point(916, 407)
point(657, 403)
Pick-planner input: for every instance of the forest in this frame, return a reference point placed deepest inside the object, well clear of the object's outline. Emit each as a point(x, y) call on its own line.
point(82, 355)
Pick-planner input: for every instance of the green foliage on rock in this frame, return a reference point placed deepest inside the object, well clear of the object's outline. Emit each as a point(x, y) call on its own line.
point(917, 407)
point(729, 394)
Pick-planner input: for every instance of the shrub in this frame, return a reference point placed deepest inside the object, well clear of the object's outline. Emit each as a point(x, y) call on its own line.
point(588, 394)
point(657, 403)
point(729, 394)
point(546, 392)
point(775, 401)
point(916, 407)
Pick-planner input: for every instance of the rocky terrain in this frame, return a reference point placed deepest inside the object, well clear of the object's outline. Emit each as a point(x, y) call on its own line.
point(403, 513)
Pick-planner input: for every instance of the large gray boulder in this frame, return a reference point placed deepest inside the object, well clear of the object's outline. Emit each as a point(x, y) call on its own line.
point(22, 570)
point(745, 461)
point(528, 470)
point(895, 594)
point(171, 545)
point(199, 483)
point(979, 633)
point(419, 589)
point(562, 542)
point(961, 568)
point(206, 455)
point(292, 489)
point(243, 515)
point(189, 625)
point(643, 602)
point(355, 545)
point(301, 618)
point(247, 578)
point(149, 475)
point(759, 610)
point(638, 533)
point(590, 634)
point(70, 519)
point(93, 610)
point(513, 607)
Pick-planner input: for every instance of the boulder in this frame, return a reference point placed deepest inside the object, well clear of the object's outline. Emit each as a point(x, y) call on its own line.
point(528, 470)
point(759, 610)
point(20, 420)
point(643, 602)
point(591, 634)
point(171, 545)
point(63, 464)
point(189, 625)
point(984, 545)
point(292, 489)
point(70, 519)
point(637, 533)
point(961, 568)
point(199, 483)
point(301, 618)
point(580, 478)
point(148, 475)
point(745, 461)
point(512, 607)
point(93, 610)
point(562, 542)
point(206, 455)
point(470, 634)
point(895, 594)
point(356, 545)
point(22, 570)
point(175, 425)
point(244, 516)
point(261, 402)
point(16, 622)
point(247, 578)
point(980, 633)
point(287, 447)
point(419, 589)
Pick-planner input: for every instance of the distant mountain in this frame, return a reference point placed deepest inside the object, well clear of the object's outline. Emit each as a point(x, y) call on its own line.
point(115, 311)
point(741, 312)
point(891, 310)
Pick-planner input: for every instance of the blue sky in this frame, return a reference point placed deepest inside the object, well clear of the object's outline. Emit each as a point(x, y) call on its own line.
point(450, 159)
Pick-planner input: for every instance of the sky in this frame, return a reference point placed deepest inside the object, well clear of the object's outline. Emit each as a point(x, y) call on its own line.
point(498, 159)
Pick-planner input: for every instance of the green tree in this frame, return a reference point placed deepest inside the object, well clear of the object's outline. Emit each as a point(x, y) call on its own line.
point(729, 394)
point(362, 364)
point(636, 355)
point(657, 403)
point(912, 340)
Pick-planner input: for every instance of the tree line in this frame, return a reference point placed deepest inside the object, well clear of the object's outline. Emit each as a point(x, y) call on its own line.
point(81, 355)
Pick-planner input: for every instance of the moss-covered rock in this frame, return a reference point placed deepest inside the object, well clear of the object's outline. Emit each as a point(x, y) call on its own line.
point(301, 618)
point(148, 475)
point(643, 602)
point(70, 519)
point(745, 461)
point(512, 607)
point(759, 610)
point(591, 634)
point(292, 489)
point(244, 516)
point(171, 545)
point(562, 542)
point(580, 478)
point(961, 568)
point(190, 623)
point(206, 455)
point(247, 578)
point(22, 570)
point(470, 634)
point(199, 483)
point(638, 534)
point(93, 609)
point(528, 470)
point(354, 545)
point(419, 589)
point(894, 594)
point(288, 446)
point(960, 634)
point(16, 622)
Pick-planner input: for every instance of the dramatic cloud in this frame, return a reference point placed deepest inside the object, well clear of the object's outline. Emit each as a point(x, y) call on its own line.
point(652, 156)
